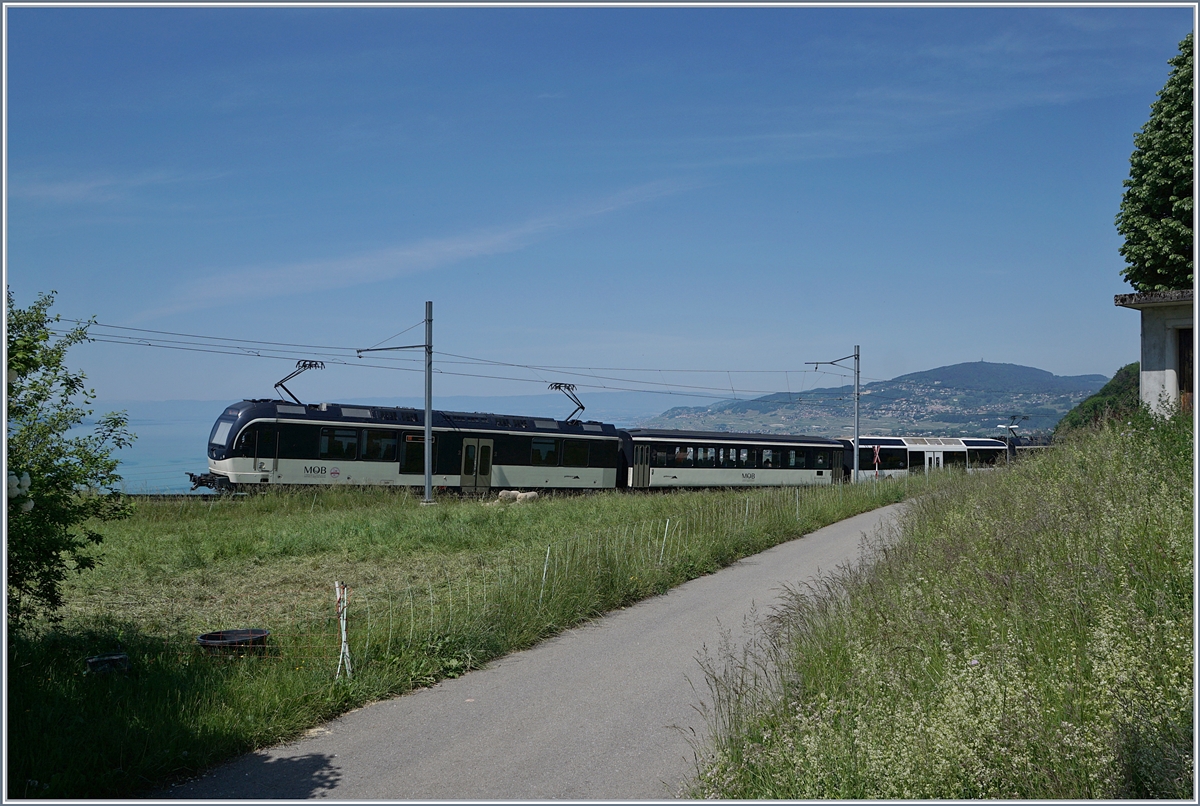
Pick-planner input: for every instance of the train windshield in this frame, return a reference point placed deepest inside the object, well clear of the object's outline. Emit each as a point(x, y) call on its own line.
point(220, 432)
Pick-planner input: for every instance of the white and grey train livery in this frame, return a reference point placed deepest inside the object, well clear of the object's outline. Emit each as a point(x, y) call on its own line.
point(258, 443)
point(269, 442)
point(653, 458)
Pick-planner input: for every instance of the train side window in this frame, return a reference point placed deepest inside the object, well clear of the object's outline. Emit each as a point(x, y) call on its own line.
point(545, 452)
point(246, 443)
point(822, 459)
point(706, 457)
point(796, 458)
point(380, 446)
point(575, 453)
point(414, 454)
point(660, 457)
point(745, 458)
point(298, 441)
point(339, 443)
point(984, 457)
point(685, 456)
point(768, 457)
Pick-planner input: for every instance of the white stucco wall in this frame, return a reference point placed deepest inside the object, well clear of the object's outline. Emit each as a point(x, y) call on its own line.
point(1159, 384)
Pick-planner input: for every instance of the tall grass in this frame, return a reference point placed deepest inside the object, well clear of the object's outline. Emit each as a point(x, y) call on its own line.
point(1026, 634)
point(435, 591)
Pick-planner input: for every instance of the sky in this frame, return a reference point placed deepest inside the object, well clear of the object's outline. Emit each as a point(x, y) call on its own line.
point(698, 200)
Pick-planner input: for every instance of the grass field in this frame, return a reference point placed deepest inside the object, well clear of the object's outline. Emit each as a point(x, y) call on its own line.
point(435, 591)
point(1026, 634)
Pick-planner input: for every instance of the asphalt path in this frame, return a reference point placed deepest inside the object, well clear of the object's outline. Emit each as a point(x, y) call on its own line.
point(608, 710)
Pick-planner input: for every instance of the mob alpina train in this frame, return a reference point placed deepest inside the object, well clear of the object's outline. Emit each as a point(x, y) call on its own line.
point(260, 443)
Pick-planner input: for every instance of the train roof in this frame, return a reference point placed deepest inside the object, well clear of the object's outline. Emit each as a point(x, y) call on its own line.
point(730, 436)
point(398, 415)
point(917, 442)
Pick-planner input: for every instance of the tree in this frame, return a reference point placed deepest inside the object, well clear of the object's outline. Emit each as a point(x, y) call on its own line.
point(1156, 210)
point(57, 484)
point(1119, 398)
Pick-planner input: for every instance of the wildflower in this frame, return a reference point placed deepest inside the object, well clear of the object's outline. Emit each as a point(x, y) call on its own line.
point(973, 662)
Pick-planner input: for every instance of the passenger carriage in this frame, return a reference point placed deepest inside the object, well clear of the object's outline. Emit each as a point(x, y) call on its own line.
point(266, 442)
point(655, 458)
point(899, 456)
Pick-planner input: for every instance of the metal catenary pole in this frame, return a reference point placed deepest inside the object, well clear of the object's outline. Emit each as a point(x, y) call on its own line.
point(428, 346)
point(856, 414)
point(855, 356)
point(428, 402)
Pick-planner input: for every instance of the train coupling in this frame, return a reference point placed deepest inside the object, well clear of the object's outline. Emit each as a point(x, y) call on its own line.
point(210, 480)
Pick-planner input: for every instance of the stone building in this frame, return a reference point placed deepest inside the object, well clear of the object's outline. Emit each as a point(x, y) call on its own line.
point(1167, 359)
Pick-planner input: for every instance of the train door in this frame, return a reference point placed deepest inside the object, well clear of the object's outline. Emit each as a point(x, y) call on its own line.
point(933, 460)
point(476, 474)
point(641, 466)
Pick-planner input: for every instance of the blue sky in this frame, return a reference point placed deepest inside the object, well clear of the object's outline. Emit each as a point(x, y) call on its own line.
point(671, 189)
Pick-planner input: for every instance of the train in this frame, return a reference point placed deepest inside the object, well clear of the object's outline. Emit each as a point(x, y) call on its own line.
point(261, 443)
point(888, 457)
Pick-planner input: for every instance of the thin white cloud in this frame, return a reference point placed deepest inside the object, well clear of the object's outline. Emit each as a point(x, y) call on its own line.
point(95, 188)
point(305, 277)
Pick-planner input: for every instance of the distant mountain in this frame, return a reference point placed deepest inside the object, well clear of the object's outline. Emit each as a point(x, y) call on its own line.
point(982, 375)
point(969, 399)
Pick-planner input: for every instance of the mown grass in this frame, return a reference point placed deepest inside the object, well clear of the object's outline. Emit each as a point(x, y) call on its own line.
point(1026, 634)
point(436, 591)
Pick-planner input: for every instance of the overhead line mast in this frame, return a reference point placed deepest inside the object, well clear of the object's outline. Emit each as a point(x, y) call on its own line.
point(835, 363)
point(428, 345)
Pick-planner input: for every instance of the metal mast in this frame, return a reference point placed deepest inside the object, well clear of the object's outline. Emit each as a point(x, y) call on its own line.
point(835, 363)
point(856, 451)
point(428, 345)
point(428, 402)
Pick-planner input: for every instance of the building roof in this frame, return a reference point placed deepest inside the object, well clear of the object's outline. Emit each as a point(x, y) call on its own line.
point(1152, 299)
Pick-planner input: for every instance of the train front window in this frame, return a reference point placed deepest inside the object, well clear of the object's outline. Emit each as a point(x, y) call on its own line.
point(220, 432)
point(380, 446)
point(339, 443)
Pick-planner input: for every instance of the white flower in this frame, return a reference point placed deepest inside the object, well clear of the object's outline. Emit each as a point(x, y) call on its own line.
point(25, 482)
point(27, 505)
